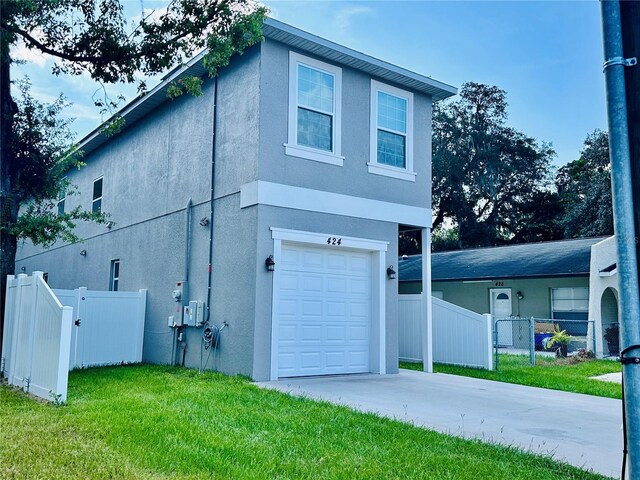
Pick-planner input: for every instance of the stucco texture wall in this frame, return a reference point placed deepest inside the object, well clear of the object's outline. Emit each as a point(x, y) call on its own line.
point(353, 177)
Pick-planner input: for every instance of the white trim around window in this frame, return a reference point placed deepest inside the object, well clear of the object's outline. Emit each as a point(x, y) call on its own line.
point(293, 147)
point(406, 173)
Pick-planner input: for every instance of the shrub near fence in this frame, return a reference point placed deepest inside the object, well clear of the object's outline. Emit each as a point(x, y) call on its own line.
point(531, 337)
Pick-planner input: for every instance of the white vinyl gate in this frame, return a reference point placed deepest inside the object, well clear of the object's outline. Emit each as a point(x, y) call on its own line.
point(36, 338)
point(43, 340)
point(460, 336)
point(111, 329)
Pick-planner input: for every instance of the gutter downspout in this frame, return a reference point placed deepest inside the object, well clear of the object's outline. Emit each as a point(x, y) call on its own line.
point(179, 333)
point(614, 66)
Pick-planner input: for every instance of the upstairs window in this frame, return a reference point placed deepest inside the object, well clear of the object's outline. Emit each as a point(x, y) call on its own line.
point(391, 132)
point(96, 204)
point(62, 196)
point(314, 110)
point(115, 275)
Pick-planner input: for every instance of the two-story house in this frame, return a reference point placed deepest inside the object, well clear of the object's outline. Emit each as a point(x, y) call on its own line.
point(276, 197)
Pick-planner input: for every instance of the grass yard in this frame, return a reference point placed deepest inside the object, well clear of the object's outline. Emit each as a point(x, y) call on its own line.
point(160, 422)
point(548, 373)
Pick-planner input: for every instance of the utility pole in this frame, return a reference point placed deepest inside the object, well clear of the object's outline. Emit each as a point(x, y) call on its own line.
point(630, 26)
point(616, 67)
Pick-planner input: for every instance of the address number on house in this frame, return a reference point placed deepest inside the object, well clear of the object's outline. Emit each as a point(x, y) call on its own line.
point(334, 241)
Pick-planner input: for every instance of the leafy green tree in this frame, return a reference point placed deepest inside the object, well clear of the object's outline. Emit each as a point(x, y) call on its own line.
point(96, 38)
point(444, 239)
point(487, 177)
point(584, 186)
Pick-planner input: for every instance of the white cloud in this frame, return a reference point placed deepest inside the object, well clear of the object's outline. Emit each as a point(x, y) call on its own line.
point(346, 15)
point(21, 52)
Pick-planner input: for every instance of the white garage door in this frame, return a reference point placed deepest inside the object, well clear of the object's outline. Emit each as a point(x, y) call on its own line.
point(324, 301)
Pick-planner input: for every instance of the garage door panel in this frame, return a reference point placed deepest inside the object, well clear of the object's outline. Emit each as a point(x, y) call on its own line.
point(312, 259)
point(359, 286)
point(336, 333)
point(336, 285)
point(288, 307)
point(360, 310)
point(311, 308)
point(325, 312)
point(312, 283)
point(287, 332)
point(335, 359)
point(360, 263)
point(358, 359)
point(289, 256)
point(336, 308)
point(289, 282)
point(311, 333)
point(310, 360)
point(358, 333)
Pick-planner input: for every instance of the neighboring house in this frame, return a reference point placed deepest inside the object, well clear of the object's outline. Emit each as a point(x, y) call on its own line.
point(603, 296)
point(319, 154)
point(547, 280)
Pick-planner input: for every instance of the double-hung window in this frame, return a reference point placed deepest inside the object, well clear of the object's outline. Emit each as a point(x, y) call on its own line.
point(96, 203)
point(391, 132)
point(314, 110)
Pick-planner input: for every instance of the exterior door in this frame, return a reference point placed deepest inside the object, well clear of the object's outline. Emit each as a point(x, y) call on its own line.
point(325, 306)
point(501, 308)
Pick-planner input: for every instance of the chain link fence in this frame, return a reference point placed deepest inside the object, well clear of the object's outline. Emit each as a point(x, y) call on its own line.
point(527, 340)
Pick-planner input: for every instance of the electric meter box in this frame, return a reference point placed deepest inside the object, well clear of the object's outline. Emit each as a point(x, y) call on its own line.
point(189, 316)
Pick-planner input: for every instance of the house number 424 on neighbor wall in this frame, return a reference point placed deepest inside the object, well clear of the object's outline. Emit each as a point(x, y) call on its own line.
point(334, 241)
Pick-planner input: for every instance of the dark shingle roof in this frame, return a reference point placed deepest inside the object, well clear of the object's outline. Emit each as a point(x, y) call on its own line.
point(544, 259)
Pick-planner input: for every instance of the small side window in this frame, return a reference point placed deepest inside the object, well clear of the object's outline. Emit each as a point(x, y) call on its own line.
point(62, 196)
point(115, 275)
point(96, 204)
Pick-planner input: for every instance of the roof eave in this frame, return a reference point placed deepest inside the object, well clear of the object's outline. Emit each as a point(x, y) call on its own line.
point(308, 42)
point(512, 277)
point(143, 104)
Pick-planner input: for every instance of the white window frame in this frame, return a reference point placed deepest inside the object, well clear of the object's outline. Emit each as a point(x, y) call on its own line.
point(112, 277)
point(573, 295)
point(374, 167)
point(93, 200)
point(62, 199)
point(302, 151)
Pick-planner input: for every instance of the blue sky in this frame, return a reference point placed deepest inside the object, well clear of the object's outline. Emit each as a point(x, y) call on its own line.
point(546, 55)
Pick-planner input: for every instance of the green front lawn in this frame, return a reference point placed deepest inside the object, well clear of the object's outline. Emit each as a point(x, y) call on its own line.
point(160, 422)
point(547, 373)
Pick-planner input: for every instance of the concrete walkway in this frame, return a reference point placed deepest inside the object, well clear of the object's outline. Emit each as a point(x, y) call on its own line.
point(581, 429)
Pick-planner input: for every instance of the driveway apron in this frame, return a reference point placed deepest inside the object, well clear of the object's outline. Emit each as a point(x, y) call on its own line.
point(582, 430)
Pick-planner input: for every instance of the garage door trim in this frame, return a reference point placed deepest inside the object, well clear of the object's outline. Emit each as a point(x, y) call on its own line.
point(377, 249)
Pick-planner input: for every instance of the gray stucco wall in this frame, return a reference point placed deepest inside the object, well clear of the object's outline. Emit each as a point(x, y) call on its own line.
point(353, 177)
point(150, 171)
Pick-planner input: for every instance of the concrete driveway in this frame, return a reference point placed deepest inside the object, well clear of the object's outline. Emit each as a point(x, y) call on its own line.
point(581, 429)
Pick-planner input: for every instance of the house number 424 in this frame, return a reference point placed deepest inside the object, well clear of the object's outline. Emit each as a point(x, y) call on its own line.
point(334, 241)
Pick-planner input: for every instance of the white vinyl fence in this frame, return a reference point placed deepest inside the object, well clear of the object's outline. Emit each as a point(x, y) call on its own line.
point(111, 326)
point(460, 336)
point(36, 338)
